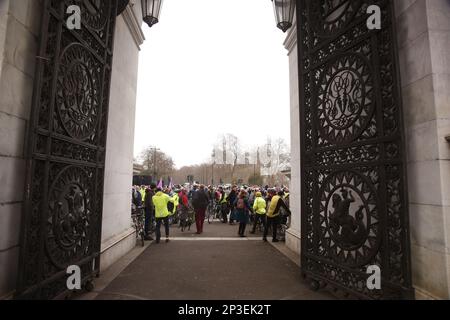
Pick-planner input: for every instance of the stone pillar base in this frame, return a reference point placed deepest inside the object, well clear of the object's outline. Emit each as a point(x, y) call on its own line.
point(293, 240)
point(115, 248)
point(424, 295)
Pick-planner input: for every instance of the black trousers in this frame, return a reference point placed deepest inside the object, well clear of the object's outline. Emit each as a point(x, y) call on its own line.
point(158, 226)
point(242, 226)
point(272, 222)
point(149, 216)
point(224, 210)
point(261, 218)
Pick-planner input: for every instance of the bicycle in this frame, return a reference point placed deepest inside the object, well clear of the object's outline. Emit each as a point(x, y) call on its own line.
point(283, 226)
point(187, 219)
point(259, 225)
point(217, 211)
point(174, 218)
point(138, 218)
point(210, 212)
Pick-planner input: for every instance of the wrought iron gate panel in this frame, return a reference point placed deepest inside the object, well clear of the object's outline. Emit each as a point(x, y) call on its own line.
point(66, 148)
point(354, 200)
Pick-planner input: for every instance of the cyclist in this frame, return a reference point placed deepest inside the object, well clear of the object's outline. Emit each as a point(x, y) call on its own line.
point(172, 207)
point(259, 207)
point(160, 201)
point(231, 199)
point(223, 205)
point(273, 215)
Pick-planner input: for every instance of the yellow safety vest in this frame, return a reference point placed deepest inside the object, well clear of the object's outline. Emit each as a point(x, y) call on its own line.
point(160, 201)
point(176, 202)
point(273, 206)
point(259, 205)
point(224, 200)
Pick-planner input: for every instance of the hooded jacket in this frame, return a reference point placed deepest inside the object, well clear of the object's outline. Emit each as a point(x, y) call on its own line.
point(275, 205)
point(259, 206)
point(160, 201)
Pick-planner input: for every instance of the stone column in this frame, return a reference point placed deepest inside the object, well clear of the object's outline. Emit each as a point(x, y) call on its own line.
point(424, 42)
point(19, 27)
point(293, 233)
point(118, 236)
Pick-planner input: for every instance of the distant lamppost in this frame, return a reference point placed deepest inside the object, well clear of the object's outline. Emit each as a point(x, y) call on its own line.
point(284, 13)
point(151, 10)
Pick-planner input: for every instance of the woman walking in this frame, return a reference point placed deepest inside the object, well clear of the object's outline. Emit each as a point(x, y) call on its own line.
point(242, 209)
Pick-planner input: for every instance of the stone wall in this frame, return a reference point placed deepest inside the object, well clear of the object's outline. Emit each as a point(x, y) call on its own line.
point(19, 32)
point(19, 27)
point(424, 42)
point(293, 233)
point(117, 235)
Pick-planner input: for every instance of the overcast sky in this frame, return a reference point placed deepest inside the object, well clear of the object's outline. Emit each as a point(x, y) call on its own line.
point(211, 67)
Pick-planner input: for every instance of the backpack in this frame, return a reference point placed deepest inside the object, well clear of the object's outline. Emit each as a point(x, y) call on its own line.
point(170, 206)
point(240, 204)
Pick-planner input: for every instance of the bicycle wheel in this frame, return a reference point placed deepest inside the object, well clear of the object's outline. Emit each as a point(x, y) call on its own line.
point(142, 229)
point(281, 232)
point(142, 238)
point(210, 216)
point(260, 227)
point(152, 227)
point(135, 225)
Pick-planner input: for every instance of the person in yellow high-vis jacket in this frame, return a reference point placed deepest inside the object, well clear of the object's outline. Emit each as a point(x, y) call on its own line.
point(176, 202)
point(259, 208)
point(160, 201)
point(223, 201)
point(142, 191)
point(273, 215)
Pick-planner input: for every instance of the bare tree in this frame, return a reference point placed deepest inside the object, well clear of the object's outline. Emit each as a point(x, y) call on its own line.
point(156, 163)
point(275, 157)
point(229, 163)
point(231, 148)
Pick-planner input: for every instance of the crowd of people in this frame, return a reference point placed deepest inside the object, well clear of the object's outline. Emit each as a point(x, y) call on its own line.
point(243, 205)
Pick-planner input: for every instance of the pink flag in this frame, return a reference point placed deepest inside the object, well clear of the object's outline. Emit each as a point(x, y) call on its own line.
point(160, 184)
point(170, 184)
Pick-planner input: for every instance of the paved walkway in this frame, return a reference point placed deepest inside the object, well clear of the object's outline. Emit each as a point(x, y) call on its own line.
point(213, 266)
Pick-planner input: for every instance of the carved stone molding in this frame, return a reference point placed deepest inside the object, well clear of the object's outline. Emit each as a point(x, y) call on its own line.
point(134, 24)
point(291, 38)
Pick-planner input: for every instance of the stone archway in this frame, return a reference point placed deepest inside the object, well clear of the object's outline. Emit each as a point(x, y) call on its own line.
point(65, 170)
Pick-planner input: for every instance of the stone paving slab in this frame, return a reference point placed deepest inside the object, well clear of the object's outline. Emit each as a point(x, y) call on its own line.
point(211, 270)
point(215, 229)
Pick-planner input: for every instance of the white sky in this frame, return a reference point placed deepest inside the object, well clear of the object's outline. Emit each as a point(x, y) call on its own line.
point(211, 67)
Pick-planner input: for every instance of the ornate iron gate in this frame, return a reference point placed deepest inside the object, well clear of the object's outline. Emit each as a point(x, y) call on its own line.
point(354, 197)
point(67, 137)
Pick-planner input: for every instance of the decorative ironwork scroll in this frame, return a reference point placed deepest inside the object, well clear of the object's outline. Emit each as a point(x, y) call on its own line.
point(67, 139)
point(354, 200)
